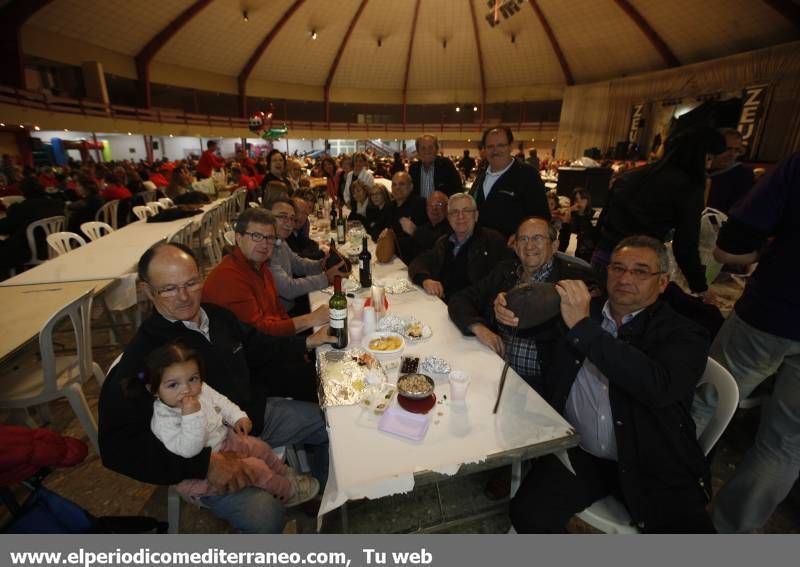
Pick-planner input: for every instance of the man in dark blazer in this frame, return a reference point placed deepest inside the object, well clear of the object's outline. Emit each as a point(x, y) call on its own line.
point(507, 191)
point(433, 172)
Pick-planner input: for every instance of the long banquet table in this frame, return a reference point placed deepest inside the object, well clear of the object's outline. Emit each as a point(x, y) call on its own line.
point(27, 308)
point(366, 462)
point(111, 256)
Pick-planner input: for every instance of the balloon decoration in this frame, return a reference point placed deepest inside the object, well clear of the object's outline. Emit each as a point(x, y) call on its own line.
point(261, 123)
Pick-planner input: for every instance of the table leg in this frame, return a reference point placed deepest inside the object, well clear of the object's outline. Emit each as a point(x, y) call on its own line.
point(516, 475)
point(345, 522)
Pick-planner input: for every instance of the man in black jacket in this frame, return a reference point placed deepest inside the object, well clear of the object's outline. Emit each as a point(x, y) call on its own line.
point(507, 191)
point(407, 213)
point(426, 235)
point(480, 308)
point(239, 362)
point(463, 257)
point(433, 172)
point(624, 376)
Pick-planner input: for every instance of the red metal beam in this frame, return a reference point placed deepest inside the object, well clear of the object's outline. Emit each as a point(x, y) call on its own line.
point(244, 75)
point(480, 58)
point(12, 17)
point(786, 8)
point(553, 42)
point(660, 45)
point(149, 51)
point(335, 64)
point(408, 58)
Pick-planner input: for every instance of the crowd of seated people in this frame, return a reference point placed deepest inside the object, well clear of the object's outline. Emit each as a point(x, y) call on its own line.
point(619, 360)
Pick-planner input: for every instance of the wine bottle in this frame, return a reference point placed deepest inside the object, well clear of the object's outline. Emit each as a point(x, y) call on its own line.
point(333, 216)
point(338, 314)
point(365, 265)
point(341, 228)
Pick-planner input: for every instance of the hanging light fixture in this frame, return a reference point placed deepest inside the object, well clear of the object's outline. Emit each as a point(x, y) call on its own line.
point(313, 34)
point(245, 17)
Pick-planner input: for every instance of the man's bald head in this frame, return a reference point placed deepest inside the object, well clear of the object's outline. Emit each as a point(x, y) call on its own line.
point(170, 277)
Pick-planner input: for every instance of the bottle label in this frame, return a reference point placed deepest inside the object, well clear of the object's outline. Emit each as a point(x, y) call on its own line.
point(361, 264)
point(338, 318)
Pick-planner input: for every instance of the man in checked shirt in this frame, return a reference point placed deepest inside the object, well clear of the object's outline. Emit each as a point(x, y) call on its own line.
point(479, 309)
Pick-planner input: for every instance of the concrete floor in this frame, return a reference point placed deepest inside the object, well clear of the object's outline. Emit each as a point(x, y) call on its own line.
point(104, 492)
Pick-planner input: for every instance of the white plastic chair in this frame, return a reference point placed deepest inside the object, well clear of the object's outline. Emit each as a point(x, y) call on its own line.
point(49, 225)
point(108, 214)
point(183, 235)
point(11, 199)
point(166, 202)
point(609, 515)
point(208, 237)
point(96, 229)
point(239, 196)
point(61, 242)
point(155, 207)
point(141, 212)
point(148, 196)
point(33, 383)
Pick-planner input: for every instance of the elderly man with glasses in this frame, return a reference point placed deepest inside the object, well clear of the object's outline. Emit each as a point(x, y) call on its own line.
point(294, 276)
point(253, 370)
point(480, 309)
point(462, 258)
point(623, 374)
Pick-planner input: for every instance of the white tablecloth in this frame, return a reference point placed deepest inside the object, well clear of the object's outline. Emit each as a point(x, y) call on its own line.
point(366, 462)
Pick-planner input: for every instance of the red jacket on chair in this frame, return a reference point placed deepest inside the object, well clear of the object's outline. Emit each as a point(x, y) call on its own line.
point(26, 451)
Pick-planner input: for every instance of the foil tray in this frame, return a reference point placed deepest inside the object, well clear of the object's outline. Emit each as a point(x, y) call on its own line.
point(346, 377)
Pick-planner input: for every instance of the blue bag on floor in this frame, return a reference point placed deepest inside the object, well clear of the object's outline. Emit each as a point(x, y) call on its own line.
point(45, 512)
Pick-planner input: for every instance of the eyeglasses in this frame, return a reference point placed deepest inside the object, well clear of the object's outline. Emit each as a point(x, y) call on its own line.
point(437, 205)
point(641, 274)
point(172, 290)
point(285, 217)
point(460, 212)
point(535, 238)
point(258, 237)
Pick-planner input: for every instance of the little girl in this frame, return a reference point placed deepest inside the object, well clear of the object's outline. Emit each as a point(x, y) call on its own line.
point(189, 415)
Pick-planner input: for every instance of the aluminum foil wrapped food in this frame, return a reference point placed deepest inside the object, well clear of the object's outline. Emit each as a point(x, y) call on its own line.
point(434, 365)
point(348, 376)
point(401, 285)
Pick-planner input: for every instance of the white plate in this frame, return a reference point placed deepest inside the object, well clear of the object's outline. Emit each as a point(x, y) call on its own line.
point(383, 334)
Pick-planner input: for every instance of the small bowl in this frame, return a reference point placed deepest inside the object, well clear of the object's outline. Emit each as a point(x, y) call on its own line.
point(415, 394)
point(382, 335)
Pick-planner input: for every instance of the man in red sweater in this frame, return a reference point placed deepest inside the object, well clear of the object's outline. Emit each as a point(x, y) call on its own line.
point(243, 283)
point(209, 161)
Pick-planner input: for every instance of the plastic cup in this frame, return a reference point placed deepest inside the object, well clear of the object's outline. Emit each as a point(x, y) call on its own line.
point(370, 321)
point(378, 293)
point(358, 307)
point(459, 382)
point(356, 329)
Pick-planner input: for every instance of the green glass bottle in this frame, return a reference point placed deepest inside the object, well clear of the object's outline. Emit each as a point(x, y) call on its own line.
point(341, 228)
point(338, 314)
